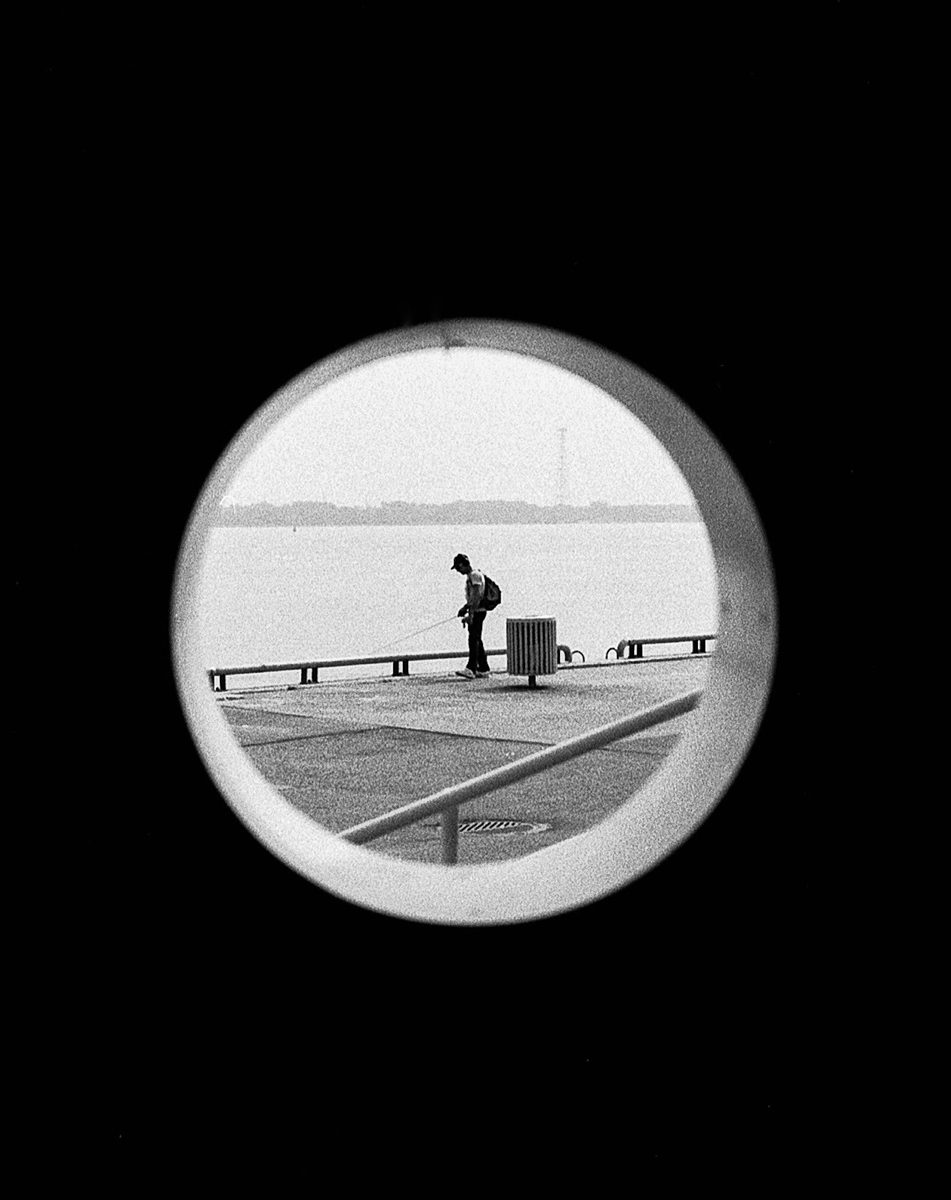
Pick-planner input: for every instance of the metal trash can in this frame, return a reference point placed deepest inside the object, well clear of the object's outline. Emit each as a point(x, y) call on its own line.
point(531, 646)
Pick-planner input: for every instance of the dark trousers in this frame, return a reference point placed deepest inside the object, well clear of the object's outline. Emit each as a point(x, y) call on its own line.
point(477, 659)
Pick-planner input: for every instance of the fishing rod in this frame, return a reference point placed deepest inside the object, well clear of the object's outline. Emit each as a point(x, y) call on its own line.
point(415, 632)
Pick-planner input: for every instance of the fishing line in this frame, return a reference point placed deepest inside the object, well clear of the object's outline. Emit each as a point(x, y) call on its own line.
point(416, 632)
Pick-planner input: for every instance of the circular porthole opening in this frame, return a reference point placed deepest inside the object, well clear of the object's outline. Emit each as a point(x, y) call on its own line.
point(400, 427)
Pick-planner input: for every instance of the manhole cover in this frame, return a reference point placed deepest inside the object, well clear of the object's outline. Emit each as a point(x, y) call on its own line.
point(498, 825)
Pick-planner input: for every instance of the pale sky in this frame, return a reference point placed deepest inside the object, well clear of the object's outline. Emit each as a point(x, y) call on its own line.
point(432, 426)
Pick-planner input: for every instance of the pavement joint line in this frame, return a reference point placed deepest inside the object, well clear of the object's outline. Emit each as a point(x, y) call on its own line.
point(311, 737)
point(442, 733)
point(472, 737)
point(481, 737)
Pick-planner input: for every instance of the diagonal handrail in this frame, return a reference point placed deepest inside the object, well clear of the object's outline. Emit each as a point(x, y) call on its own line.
point(448, 799)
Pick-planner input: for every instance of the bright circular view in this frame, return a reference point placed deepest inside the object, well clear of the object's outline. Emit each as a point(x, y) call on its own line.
point(457, 615)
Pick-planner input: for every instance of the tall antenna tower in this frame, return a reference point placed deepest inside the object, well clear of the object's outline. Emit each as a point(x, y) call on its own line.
point(562, 468)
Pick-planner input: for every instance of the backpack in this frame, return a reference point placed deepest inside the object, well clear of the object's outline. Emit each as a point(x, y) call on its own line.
point(492, 596)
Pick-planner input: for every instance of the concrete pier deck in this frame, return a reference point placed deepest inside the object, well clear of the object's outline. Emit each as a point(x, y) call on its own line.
point(352, 749)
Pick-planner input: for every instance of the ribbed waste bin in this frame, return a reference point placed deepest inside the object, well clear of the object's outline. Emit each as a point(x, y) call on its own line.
point(531, 646)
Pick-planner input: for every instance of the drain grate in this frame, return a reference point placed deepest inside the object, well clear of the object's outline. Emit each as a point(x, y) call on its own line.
point(499, 826)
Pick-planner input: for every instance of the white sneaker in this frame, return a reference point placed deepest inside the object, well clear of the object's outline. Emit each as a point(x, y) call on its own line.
point(481, 674)
point(466, 674)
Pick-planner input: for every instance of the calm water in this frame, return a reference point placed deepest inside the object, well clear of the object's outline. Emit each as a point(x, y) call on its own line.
point(273, 595)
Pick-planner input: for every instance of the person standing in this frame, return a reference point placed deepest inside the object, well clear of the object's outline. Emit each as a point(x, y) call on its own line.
point(473, 614)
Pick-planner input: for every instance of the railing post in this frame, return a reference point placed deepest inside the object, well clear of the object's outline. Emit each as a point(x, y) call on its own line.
point(450, 835)
point(396, 666)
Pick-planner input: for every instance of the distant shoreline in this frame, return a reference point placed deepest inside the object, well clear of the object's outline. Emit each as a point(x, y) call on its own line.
point(436, 524)
point(305, 515)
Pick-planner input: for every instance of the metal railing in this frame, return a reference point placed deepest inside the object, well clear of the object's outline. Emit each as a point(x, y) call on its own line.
point(309, 669)
point(635, 646)
point(448, 800)
point(400, 665)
